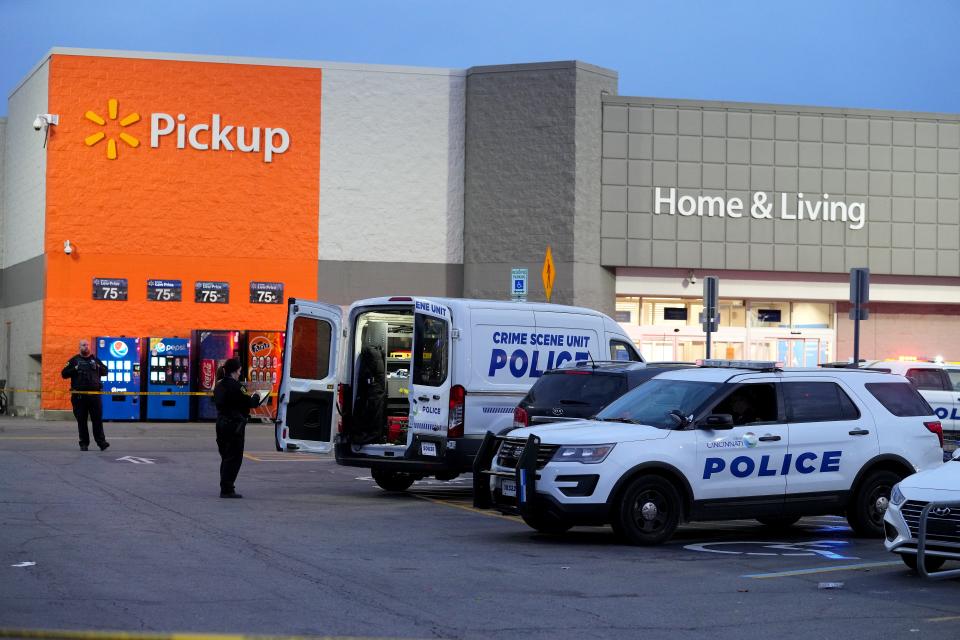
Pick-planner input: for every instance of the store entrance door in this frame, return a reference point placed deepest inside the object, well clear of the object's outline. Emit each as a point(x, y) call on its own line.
point(798, 352)
point(685, 348)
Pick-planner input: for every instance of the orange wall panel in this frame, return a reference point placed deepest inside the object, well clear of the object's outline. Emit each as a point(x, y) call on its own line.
point(174, 213)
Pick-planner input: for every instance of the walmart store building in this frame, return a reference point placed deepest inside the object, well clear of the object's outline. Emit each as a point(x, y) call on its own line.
point(343, 181)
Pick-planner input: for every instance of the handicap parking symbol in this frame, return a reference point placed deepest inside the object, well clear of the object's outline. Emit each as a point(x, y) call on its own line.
point(825, 548)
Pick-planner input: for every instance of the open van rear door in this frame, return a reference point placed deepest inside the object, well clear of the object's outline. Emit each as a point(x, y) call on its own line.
point(308, 389)
point(430, 374)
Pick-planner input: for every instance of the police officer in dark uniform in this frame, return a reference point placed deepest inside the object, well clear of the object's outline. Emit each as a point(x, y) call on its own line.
point(85, 371)
point(233, 411)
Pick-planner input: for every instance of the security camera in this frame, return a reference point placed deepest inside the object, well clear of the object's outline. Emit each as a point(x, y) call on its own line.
point(45, 120)
point(67, 248)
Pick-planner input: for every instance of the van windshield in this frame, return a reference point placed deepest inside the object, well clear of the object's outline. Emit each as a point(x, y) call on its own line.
point(652, 402)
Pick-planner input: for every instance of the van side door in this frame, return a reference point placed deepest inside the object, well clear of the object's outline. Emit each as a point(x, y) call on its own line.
point(430, 378)
point(308, 387)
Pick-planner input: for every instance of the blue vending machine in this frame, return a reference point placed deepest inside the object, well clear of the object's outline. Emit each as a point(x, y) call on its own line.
point(122, 357)
point(168, 367)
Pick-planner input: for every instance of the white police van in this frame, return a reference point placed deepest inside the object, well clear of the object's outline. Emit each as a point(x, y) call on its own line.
point(728, 439)
point(938, 383)
point(413, 384)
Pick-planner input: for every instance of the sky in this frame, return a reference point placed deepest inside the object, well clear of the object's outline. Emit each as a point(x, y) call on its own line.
point(881, 54)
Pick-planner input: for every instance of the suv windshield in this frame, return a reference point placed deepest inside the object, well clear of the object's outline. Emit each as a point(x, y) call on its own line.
point(652, 402)
point(576, 387)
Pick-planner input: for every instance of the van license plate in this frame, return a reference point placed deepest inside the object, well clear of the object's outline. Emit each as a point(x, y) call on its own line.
point(428, 448)
point(508, 488)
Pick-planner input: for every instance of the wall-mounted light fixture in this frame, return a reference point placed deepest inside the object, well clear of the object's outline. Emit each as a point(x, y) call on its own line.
point(67, 247)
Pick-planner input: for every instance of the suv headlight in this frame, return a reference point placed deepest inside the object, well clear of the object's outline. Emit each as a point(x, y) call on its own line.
point(896, 496)
point(587, 454)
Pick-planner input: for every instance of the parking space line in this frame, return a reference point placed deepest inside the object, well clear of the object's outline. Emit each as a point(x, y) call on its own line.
point(806, 572)
point(483, 512)
point(284, 457)
point(944, 619)
point(58, 634)
point(74, 438)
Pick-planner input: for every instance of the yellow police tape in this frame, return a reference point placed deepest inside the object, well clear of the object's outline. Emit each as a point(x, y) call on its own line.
point(56, 634)
point(118, 393)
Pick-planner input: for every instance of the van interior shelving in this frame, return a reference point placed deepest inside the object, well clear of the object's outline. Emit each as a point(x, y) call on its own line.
point(381, 389)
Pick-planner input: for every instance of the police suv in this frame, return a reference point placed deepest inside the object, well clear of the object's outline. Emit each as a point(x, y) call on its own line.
point(938, 383)
point(727, 439)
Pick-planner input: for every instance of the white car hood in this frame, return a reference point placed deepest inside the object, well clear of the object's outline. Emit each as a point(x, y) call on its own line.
point(940, 484)
point(590, 432)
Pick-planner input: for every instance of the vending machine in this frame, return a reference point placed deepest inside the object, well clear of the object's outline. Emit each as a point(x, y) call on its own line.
point(168, 371)
point(213, 348)
point(264, 369)
point(122, 357)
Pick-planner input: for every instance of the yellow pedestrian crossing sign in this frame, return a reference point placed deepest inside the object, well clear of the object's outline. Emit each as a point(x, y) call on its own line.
point(549, 273)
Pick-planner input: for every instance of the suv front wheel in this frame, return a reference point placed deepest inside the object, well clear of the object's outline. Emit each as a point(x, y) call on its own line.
point(546, 523)
point(649, 512)
point(869, 503)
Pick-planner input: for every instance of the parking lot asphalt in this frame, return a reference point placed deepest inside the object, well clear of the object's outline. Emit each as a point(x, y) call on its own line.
point(136, 539)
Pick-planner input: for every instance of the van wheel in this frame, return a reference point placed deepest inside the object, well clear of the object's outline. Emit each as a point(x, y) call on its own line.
point(930, 563)
point(392, 480)
point(866, 509)
point(779, 522)
point(546, 523)
point(649, 512)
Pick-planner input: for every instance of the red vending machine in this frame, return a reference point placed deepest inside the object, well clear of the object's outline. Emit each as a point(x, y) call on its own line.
point(213, 347)
point(264, 369)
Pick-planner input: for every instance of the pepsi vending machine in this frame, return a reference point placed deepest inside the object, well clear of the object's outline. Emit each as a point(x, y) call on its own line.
point(122, 357)
point(213, 348)
point(168, 366)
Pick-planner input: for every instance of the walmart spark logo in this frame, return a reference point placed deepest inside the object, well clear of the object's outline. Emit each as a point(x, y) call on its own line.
point(126, 121)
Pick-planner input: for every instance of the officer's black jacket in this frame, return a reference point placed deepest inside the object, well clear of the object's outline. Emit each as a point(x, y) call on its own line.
point(231, 401)
point(84, 372)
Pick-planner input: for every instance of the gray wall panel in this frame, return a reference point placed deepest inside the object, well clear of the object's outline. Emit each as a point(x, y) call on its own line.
point(904, 168)
point(342, 282)
point(24, 282)
point(539, 170)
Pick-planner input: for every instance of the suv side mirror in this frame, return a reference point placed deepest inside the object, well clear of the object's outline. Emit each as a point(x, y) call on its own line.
point(678, 418)
point(717, 421)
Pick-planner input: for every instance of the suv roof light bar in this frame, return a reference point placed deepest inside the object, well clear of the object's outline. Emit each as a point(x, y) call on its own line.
point(595, 363)
point(755, 365)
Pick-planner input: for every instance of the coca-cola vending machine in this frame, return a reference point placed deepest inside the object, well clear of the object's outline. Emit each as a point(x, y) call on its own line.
point(213, 348)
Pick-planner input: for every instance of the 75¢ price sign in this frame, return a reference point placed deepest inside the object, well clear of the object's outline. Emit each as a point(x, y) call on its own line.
point(165, 290)
point(109, 288)
point(266, 292)
point(212, 292)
